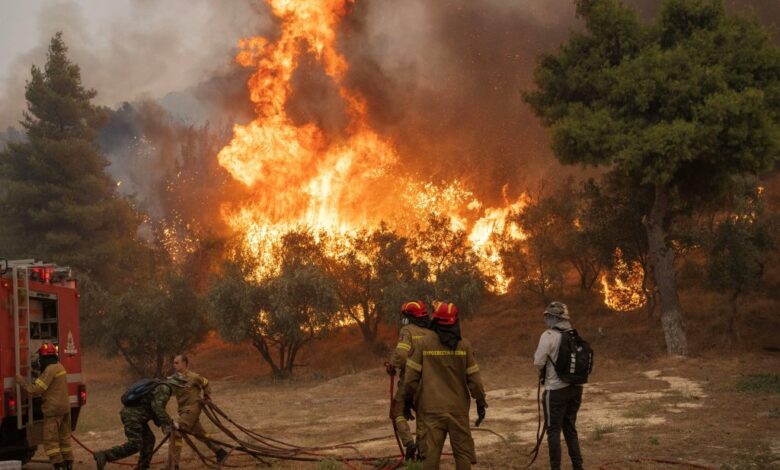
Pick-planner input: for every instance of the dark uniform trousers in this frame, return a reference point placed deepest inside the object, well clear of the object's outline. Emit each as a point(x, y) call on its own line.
point(560, 413)
point(434, 432)
point(139, 437)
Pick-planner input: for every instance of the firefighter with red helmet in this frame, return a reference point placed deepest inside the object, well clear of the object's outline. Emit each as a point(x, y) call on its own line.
point(52, 386)
point(414, 320)
point(441, 377)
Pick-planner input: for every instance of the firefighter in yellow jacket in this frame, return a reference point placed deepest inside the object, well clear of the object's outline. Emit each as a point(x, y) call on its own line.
point(414, 317)
point(52, 386)
point(440, 375)
point(188, 387)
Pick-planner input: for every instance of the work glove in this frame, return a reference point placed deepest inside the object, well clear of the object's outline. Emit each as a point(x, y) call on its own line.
point(408, 411)
point(207, 397)
point(481, 406)
point(390, 369)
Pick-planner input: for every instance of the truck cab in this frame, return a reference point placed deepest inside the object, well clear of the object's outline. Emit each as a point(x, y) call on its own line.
point(39, 303)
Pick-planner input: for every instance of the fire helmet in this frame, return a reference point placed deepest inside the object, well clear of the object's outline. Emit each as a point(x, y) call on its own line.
point(415, 308)
point(47, 349)
point(557, 309)
point(445, 313)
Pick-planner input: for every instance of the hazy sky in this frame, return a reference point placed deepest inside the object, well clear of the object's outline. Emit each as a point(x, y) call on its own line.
point(126, 48)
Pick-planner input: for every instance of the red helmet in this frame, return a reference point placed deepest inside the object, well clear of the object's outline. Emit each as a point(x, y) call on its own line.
point(415, 308)
point(445, 313)
point(47, 349)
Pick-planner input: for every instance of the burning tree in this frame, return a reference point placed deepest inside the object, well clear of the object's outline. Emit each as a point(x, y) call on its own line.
point(679, 104)
point(281, 312)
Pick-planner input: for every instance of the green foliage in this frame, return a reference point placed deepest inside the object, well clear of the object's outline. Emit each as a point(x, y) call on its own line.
point(148, 324)
point(279, 313)
point(374, 275)
point(678, 106)
point(447, 265)
point(537, 263)
point(739, 245)
point(693, 96)
point(761, 383)
point(57, 202)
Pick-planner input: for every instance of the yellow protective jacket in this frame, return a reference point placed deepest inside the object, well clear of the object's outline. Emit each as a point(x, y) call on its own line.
point(195, 386)
point(411, 334)
point(52, 386)
point(442, 378)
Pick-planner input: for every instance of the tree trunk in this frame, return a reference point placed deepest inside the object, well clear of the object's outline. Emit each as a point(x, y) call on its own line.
point(734, 312)
point(662, 259)
point(260, 344)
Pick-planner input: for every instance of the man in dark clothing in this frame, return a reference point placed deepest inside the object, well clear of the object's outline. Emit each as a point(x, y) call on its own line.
point(561, 400)
point(140, 438)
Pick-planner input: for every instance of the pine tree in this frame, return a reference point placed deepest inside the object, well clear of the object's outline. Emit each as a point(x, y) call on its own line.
point(57, 202)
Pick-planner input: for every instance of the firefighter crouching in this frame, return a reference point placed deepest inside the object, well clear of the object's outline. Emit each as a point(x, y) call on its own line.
point(188, 386)
point(147, 405)
point(442, 372)
point(52, 386)
point(414, 317)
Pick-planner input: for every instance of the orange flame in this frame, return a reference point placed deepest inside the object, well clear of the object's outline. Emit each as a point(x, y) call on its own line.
point(623, 292)
point(299, 176)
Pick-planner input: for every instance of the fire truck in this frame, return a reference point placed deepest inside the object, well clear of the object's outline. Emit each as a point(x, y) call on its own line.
point(39, 303)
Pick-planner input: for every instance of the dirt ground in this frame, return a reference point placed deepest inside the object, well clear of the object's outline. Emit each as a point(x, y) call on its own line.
point(681, 410)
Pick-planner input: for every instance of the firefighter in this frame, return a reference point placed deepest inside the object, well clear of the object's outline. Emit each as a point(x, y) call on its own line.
point(414, 318)
point(188, 387)
point(52, 386)
point(442, 373)
point(135, 418)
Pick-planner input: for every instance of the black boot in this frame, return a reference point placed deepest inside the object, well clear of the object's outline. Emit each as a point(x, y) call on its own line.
point(68, 465)
point(100, 460)
point(411, 450)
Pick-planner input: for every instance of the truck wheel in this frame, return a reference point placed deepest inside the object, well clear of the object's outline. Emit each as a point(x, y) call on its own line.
point(22, 454)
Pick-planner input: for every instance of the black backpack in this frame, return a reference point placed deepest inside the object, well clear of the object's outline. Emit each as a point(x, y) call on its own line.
point(134, 393)
point(575, 358)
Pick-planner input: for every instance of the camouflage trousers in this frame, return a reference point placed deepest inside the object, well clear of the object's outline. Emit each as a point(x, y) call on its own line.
point(56, 438)
point(139, 438)
point(189, 420)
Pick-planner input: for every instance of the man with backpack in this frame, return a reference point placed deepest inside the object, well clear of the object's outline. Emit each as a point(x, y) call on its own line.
point(144, 401)
point(564, 361)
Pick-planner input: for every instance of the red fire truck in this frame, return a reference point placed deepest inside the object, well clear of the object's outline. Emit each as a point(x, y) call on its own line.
point(39, 303)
